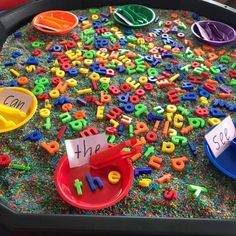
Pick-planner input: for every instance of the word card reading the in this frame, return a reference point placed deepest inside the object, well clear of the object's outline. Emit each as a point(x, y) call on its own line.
point(80, 150)
point(219, 138)
point(14, 99)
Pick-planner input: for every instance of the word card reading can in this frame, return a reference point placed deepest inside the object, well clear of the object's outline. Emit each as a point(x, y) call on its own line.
point(14, 99)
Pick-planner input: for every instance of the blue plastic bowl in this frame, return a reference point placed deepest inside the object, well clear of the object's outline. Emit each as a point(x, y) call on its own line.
point(226, 161)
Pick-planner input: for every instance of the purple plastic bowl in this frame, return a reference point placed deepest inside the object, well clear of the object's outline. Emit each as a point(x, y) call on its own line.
point(231, 33)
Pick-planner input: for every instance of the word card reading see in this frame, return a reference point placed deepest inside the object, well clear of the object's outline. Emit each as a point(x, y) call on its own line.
point(14, 99)
point(219, 138)
point(81, 149)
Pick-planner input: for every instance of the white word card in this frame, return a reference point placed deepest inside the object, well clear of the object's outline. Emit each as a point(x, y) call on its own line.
point(219, 138)
point(81, 149)
point(15, 99)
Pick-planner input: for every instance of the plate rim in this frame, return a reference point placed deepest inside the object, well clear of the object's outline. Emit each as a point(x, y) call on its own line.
point(125, 191)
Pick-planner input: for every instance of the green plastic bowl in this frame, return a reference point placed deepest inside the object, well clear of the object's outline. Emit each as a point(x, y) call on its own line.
point(138, 9)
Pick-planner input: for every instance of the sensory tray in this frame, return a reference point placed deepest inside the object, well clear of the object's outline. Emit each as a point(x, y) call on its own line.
point(160, 76)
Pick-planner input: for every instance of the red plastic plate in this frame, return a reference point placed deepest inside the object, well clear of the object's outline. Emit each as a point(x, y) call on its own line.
point(101, 198)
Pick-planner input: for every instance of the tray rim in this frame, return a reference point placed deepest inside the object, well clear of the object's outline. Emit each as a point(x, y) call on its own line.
point(10, 21)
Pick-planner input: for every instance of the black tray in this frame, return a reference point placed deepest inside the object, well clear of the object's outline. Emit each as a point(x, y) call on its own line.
point(34, 224)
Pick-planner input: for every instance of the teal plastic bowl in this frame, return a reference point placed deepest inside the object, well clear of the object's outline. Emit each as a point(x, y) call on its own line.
point(142, 11)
